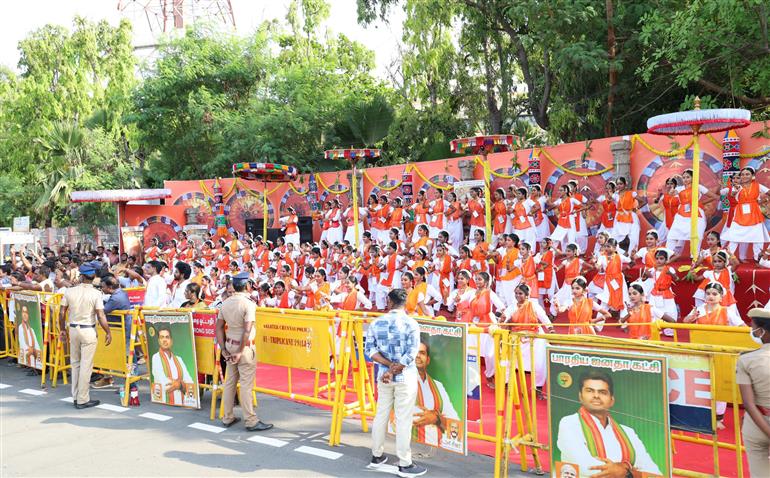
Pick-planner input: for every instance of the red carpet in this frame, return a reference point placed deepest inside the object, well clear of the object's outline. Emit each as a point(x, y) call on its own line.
point(686, 455)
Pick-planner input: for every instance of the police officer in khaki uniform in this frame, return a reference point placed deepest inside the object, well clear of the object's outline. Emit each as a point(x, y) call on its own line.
point(237, 345)
point(85, 305)
point(753, 379)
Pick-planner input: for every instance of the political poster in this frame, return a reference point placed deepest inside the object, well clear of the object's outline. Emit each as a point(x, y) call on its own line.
point(689, 392)
point(439, 418)
point(293, 342)
point(29, 327)
point(608, 410)
point(173, 368)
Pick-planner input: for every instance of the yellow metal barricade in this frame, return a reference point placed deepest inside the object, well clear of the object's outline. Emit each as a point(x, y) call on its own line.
point(9, 330)
point(526, 436)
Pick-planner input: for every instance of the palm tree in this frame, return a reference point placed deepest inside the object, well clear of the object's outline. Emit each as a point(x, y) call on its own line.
point(365, 123)
point(62, 160)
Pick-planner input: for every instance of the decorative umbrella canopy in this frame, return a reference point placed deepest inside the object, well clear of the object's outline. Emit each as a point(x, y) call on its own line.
point(493, 143)
point(696, 122)
point(699, 121)
point(265, 172)
point(352, 154)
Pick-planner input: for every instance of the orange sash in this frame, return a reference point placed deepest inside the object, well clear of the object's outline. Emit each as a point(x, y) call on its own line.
point(581, 313)
point(613, 277)
point(477, 213)
point(508, 263)
point(525, 314)
point(747, 212)
point(500, 213)
point(481, 306)
point(718, 316)
point(529, 273)
point(625, 206)
point(685, 201)
point(641, 315)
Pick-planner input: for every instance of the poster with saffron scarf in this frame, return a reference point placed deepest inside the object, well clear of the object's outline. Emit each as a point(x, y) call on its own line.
point(173, 368)
point(608, 410)
point(439, 417)
point(28, 315)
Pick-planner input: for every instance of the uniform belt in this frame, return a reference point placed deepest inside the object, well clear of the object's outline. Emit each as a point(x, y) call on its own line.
point(238, 342)
point(82, 326)
point(764, 411)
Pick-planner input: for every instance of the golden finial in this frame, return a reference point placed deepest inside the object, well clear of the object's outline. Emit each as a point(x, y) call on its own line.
point(697, 102)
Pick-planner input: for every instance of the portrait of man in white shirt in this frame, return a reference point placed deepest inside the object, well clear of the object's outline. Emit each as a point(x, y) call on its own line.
point(594, 440)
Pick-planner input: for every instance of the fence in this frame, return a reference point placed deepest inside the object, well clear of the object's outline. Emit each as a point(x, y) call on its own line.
point(330, 345)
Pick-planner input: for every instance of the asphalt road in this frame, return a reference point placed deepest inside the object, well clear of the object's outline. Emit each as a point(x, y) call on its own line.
point(42, 434)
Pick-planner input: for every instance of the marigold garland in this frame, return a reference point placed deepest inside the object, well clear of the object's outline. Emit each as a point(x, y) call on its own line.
point(571, 171)
point(330, 191)
point(377, 185)
point(503, 175)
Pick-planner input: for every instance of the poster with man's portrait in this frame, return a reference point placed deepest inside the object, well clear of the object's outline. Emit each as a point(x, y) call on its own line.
point(173, 369)
point(29, 329)
point(608, 413)
point(439, 418)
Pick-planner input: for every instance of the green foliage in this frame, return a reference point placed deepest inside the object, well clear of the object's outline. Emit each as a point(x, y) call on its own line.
point(722, 47)
point(66, 78)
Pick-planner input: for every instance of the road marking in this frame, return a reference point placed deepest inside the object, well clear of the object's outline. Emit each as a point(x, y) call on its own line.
point(309, 450)
point(112, 408)
point(4, 385)
point(269, 441)
point(30, 391)
point(67, 399)
point(156, 416)
point(206, 428)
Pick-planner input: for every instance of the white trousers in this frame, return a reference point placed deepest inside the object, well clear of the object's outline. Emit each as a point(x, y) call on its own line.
point(399, 397)
point(82, 350)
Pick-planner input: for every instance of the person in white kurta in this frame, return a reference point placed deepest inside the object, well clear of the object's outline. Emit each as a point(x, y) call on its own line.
point(169, 387)
point(596, 398)
point(433, 406)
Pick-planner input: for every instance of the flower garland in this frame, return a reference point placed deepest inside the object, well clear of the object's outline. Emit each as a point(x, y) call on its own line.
point(758, 154)
point(297, 191)
point(669, 154)
point(377, 185)
point(326, 188)
point(258, 194)
point(428, 181)
point(503, 175)
point(571, 171)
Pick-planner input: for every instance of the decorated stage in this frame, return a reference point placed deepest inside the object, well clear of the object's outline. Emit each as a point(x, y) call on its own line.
point(647, 159)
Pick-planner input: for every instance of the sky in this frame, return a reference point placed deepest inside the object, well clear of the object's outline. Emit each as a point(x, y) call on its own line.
point(21, 17)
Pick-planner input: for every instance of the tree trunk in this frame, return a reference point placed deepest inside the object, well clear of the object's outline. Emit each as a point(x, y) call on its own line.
point(613, 73)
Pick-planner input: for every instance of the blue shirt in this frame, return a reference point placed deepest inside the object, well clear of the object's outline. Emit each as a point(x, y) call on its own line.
point(396, 336)
point(117, 301)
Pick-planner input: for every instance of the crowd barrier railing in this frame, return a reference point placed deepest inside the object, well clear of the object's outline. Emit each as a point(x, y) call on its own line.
point(9, 330)
point(722, 361)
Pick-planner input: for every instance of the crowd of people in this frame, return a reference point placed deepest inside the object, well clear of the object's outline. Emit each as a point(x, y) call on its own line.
point(436, 253)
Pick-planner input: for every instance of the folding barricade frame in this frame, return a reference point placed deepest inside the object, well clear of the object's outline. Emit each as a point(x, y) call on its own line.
point(526, 436)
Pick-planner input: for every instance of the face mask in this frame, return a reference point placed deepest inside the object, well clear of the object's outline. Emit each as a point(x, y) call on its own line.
point(756, 339)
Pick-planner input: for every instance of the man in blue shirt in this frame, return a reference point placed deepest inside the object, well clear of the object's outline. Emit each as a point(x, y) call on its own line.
point(118, 300)
point(392, 342)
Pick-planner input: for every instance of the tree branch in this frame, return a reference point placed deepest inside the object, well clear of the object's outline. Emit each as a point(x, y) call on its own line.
point(761, 101)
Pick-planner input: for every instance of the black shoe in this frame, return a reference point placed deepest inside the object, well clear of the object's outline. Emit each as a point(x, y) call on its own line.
point(235, 420)
point(377, 461)
point(88, 404)
point(411, 470)
point(259, 427)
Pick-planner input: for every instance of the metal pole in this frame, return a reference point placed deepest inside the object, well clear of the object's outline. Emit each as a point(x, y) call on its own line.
point(264, 211)
point(354, 183)
point(694, 210)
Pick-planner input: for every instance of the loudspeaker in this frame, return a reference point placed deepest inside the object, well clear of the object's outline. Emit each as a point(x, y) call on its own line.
point(305, 224)
point(254, 226)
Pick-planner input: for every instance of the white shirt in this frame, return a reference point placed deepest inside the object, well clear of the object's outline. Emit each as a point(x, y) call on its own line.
point(160, 378)
point(178, 298)
point(574, 449)
point(155, 295)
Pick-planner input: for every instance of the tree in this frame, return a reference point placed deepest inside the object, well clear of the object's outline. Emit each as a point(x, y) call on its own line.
point(65, 76)
point(720, 48)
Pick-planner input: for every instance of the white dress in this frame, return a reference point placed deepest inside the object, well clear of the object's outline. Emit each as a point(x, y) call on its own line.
point(756, 234)
point(539, 344)
point(680, 228)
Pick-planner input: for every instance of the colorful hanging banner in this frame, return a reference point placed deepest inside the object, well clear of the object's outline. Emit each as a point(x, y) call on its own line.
point(534, 167)
point(731, 163)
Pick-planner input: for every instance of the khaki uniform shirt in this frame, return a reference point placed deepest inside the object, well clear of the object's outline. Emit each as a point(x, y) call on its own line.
point(236, 311)
point(83, 302)
point(754, 369)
